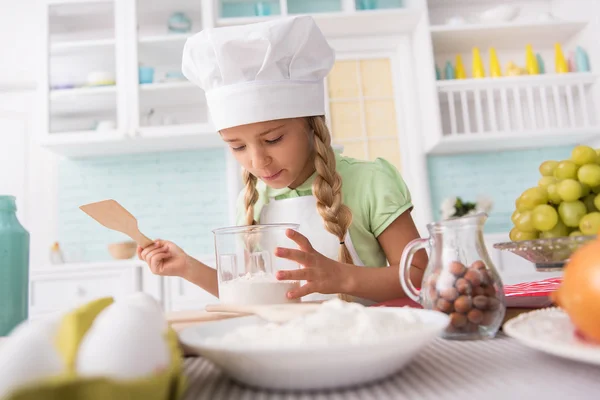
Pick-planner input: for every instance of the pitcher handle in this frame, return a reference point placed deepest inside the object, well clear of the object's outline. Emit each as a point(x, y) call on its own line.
point(407, 255)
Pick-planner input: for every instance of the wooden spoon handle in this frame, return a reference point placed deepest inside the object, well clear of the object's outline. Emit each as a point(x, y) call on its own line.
point(230, 308)
point(141, 239)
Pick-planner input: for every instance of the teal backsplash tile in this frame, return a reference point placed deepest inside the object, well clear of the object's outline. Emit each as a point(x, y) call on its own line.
point(237, 9)
point(502, 176)
point(179, 196)
point(313, 6)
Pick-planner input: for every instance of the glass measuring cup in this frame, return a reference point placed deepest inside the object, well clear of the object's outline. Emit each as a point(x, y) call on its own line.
point(247, 266)
point(460, 279)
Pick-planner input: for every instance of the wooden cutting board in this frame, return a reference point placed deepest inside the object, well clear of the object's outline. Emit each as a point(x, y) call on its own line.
point(183, 319)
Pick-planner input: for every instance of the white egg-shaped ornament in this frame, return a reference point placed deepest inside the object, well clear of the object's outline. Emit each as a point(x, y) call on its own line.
point(29, 355)
point(123, 345)
point(148, 304)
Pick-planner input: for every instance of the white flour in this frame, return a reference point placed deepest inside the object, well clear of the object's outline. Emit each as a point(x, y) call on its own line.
point(336, 322)
point(258, 288)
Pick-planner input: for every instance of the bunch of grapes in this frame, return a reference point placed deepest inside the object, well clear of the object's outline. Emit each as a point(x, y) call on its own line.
point(566, 201)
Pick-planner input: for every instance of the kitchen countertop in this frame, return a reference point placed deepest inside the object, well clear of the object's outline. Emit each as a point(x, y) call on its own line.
point(500, 368)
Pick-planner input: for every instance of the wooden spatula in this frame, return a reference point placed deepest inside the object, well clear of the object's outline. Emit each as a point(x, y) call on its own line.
point(114, 216)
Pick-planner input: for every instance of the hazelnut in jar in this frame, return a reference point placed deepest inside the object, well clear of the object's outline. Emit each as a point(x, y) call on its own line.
point(460, 279)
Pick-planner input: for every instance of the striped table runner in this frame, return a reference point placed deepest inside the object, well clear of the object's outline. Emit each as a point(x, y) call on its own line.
point(493, 369)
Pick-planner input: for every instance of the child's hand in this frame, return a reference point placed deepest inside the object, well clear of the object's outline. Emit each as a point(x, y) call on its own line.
point(164, 258)
point(322, 274)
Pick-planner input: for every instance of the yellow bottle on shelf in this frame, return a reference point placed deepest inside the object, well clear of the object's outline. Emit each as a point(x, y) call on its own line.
point(495, 68)
point(559, 60)
point(531, 63)
point(478, 68)
point(460, 68)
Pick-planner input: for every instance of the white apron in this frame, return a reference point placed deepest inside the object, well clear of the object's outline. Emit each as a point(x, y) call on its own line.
point(302, 210)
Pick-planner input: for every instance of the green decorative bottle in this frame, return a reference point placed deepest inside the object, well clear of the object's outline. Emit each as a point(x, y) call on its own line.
point(14, 267)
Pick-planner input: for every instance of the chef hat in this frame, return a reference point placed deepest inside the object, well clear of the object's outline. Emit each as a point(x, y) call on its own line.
point(260, 72)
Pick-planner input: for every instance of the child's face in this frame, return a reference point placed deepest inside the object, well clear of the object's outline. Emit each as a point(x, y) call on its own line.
point(277, 152)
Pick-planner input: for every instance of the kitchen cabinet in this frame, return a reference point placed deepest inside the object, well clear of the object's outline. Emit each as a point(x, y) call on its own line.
point(57, 288)
point(111, 76)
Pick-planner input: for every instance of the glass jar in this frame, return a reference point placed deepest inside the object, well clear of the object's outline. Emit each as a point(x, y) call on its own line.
point(460, 279)
point(14, 267)
point(247, 266)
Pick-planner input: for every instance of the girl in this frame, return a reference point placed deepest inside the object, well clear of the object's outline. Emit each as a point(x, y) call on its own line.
point(264, 86)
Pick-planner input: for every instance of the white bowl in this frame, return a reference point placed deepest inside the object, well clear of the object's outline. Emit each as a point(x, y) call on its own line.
point(315, 367)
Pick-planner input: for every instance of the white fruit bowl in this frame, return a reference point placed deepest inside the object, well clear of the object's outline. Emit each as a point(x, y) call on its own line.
point(317, 366)
point(546, 254)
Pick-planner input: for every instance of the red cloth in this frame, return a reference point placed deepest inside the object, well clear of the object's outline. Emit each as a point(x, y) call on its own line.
point(521, 295)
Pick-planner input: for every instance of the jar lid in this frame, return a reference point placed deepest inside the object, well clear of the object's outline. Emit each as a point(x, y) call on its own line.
point(8, 203)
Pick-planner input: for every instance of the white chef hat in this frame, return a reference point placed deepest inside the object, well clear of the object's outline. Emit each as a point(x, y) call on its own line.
point(260, 72)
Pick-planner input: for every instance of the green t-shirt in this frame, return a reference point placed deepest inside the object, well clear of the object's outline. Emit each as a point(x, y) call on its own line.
point(373, 190)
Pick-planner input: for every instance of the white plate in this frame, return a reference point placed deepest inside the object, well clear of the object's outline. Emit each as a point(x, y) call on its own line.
point(550, 330)
point(315, 367)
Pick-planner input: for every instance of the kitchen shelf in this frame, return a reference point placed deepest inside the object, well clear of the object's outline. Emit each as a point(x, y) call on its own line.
point(152, 139)
point(462, 38)
point(166, 38)
point(201, 129)
point(149, 87)
point(518, 112)
point(362, 23)
point(585, 78)
point(83, 91)
point(503, 141)
point(64, 47)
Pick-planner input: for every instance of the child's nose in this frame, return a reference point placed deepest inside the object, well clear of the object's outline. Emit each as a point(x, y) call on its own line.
point(261, 159)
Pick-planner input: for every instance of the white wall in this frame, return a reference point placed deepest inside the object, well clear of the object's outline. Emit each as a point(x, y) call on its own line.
point(18, 29)
point(26, 170)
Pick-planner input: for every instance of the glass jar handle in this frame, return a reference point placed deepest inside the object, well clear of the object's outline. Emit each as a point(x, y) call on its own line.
point(407, 255)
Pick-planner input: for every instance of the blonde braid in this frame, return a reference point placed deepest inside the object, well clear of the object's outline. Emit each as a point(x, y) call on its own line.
point(250, 197)
point(252, 239)
point(327, 189)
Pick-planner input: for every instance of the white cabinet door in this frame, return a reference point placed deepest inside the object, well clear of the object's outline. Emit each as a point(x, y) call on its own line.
point(58, 291)
point(183, 295)
point(83, 72)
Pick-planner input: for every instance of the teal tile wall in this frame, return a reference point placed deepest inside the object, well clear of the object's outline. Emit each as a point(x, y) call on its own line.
point(313, 6)
point(379, 4)
point(502, 176)
point(179, 196)
point(233, 9)
point(247, 8)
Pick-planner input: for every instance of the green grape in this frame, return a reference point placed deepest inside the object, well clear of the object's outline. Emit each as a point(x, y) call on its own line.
point(571, 212)
point(543, 218)
point(590, 224)
point(525, 222)
point(546, 180)
point(559, 230)
point(597, 201)
point(585, 189)
point(553, 196)
point(589, 203)
point(531, 198)
point(583, 155)
point(566, 170)
point(596, 189)
point(589, 174)
point(515, 215)
point(576, 233)
point(547, 167)
point(569, 190)
point(597, 156)
point(516, 235)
